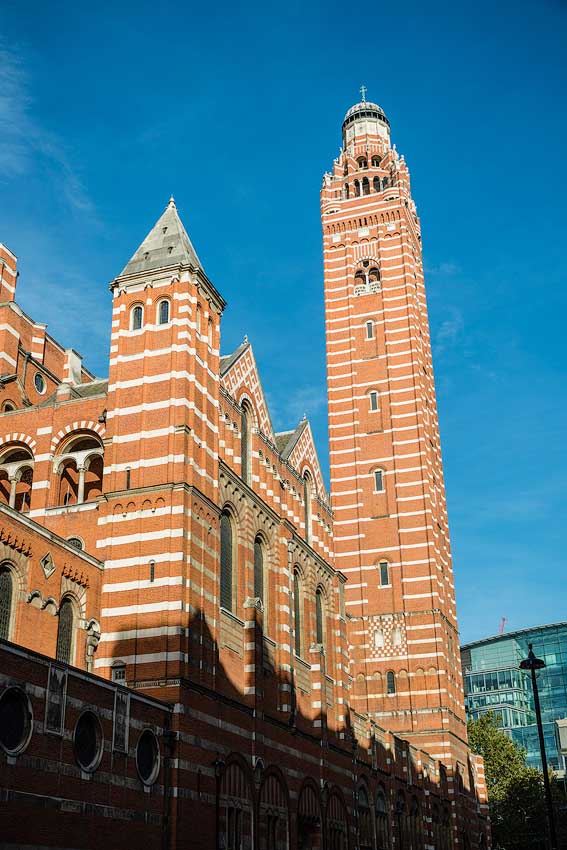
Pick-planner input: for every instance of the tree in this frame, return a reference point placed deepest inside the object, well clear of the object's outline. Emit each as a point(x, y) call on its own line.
point(515, 791)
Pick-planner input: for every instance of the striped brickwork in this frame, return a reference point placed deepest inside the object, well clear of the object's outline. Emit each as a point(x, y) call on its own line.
point(138, 470)
point(383, 418)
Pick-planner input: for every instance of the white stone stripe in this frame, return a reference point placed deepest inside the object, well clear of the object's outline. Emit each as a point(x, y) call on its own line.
point(143, 584)
point(139, 537)
point(146, 608)
point(143, 658)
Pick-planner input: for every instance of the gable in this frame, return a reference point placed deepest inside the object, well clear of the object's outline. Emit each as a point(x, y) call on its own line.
point(239, 376)
point(304, 452)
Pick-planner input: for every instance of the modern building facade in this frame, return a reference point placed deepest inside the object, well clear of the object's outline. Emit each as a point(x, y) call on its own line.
point(391, 531)
point(494, 682)
point(180, 652)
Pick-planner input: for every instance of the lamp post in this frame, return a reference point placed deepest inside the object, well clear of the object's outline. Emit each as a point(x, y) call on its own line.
point(533, 664)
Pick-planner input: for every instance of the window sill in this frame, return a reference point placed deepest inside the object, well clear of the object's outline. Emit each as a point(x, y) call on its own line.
point(230, 616)
point(91, 505)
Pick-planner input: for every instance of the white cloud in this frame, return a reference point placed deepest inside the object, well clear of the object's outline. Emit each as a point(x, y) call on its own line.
point(450, 330)
point(24, 141)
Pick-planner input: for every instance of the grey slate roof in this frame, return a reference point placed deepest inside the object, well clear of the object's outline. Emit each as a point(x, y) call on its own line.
point(282, 439)
point(167, 244)
point(291, 438)
point(97, 387)
point(227, 360)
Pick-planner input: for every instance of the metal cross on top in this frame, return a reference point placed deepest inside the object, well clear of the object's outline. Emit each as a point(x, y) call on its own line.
point(363, 91)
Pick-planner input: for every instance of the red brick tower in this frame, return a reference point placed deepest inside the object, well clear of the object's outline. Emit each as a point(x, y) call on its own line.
point(391, 531)
point(161, 454)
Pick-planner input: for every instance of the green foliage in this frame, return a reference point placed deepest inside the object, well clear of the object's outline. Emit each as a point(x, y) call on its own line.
point(515, 791)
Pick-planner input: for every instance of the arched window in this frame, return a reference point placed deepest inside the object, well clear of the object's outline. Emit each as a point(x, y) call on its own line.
point(137, 317)
point(80, 468)
point(307, 495)
point(396, 636)
point(163, 312)
point(384, 573)
point(376, 161)
point(362, 162)
point(376, 184)
point(382, 828)
point(245, 449)
point(374, 275)
point(378, 639)
point(6, 597)
point(370, 330)
point(365, 831)
point(373, 400)
point(390, 682)
point(210, 333)
point(365, 186)
point(65, 632)
point(378, 481)
point(198, 319)
point(346, 191)
point(258, 568)
point(356, 188)
point(297, 612)
point(227, 562)
point(415, 825)
point(359, 278)
point(319, 617)
point(8, 406)
point(16, 477)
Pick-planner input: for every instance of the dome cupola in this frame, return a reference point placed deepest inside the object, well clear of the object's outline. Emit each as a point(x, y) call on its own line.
point(365, 118)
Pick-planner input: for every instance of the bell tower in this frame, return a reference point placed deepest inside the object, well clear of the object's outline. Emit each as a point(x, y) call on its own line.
point(391, 531)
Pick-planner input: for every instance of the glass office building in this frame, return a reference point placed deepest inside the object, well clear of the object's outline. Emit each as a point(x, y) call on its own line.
point(494, 682)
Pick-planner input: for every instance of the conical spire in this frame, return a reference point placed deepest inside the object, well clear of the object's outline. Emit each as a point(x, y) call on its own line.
point(167, 244)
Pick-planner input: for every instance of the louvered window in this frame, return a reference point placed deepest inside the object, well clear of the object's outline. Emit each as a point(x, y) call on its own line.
point(307, 501)
point(244, 449)
point(319, 629)
point(65, 632)
point(6, 593)
point(226, 576)
point(258, 569)
point(297, 612)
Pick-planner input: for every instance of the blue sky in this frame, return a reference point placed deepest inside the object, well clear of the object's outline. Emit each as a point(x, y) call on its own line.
point(236, 110)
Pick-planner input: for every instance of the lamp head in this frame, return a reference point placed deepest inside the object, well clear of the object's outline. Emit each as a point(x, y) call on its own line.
point(531, 662)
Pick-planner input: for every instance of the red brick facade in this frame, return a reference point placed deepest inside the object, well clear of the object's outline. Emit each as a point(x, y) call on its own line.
point(391, 533)
point(173, 556)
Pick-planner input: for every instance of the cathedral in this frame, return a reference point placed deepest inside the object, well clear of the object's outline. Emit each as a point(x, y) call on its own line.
point(200, 647)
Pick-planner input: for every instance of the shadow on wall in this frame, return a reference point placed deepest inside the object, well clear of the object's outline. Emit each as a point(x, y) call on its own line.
point(284, 779)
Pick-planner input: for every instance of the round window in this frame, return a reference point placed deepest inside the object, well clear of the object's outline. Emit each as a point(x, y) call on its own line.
point(147, 757)
point(76, 542)
point(39, 382)
point(88, 741)
point(16, 720)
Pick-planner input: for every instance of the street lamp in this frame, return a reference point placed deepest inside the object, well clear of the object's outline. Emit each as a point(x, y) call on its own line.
point(532, 664)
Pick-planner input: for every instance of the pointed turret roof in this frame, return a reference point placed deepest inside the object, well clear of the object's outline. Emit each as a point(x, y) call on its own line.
point(167, 244)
